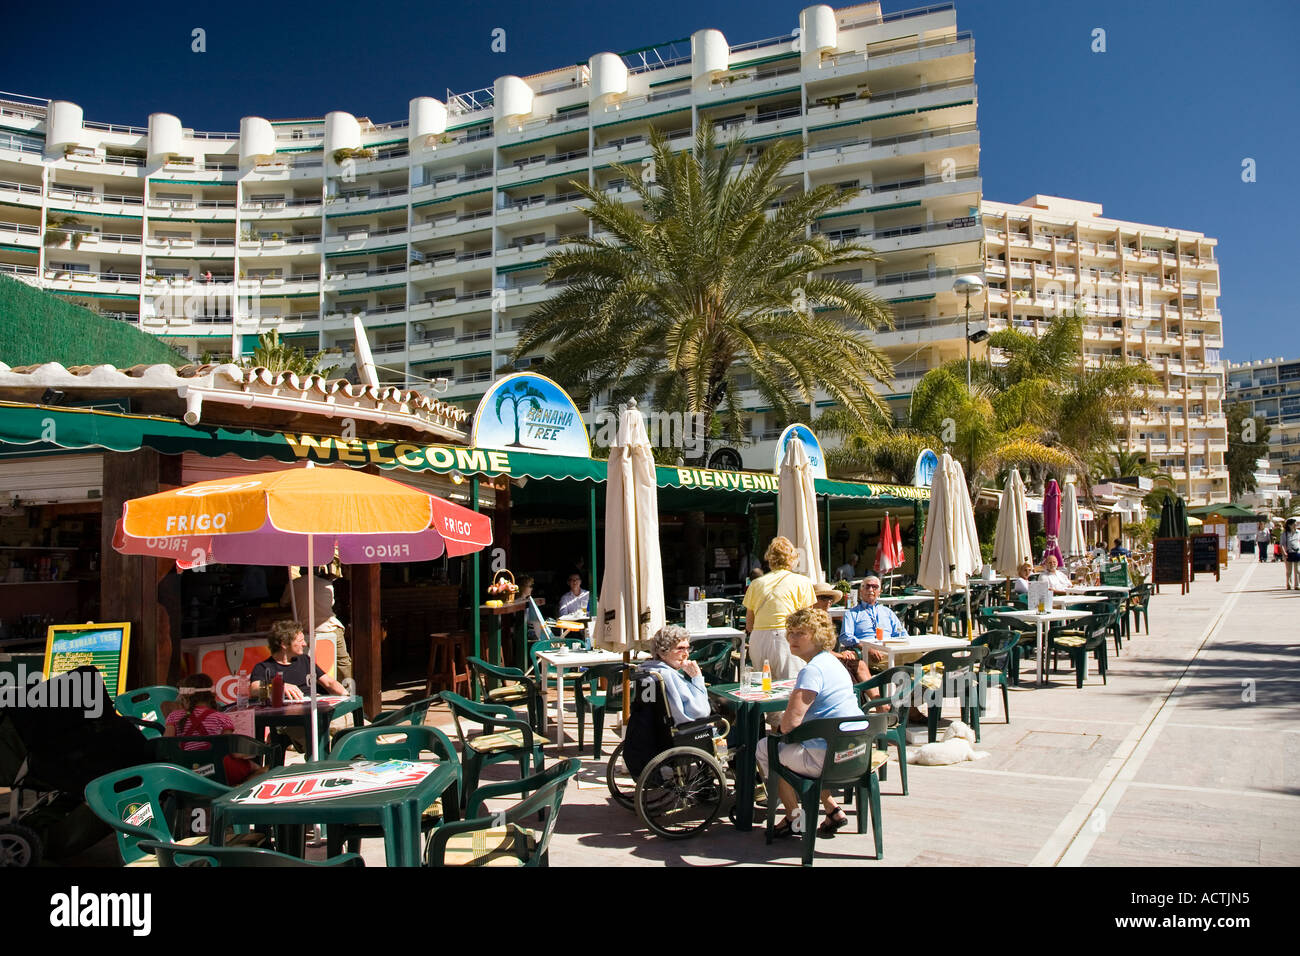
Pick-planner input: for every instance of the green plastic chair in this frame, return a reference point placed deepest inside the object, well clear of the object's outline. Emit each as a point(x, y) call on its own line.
point(514, 741)
point(177, 854)
point(1077, 643)
point(1138, 605)
point(714, 658)
point(395, 743)
point(1002, 663)
point(130, 802)
point(898, 697)
point(958, 665)
point(539, 670)
point(510, 686)
point(852, 760)
point(209, 761)
point(144, 705)
point(589, 697)
point(501, 839)
point(413, 714)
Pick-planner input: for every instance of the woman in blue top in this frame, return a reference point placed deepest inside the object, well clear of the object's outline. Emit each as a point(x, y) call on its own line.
point(688, 698)
point(822, 690)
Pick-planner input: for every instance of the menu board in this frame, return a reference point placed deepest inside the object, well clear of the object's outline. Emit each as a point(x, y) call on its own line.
point(1205, 554)
point(68, 646)
point(1169, 561)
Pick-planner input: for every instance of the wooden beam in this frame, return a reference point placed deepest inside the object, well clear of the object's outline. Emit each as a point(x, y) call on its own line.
point(365, 636)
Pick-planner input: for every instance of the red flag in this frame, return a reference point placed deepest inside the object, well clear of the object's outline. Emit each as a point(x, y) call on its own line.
point(885, 550)
point(898, 545)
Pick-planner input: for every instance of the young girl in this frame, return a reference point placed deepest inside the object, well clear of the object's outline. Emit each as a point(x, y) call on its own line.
point(197, 716)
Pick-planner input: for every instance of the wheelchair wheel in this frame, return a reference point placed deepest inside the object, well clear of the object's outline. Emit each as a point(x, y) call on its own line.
point(19, 845)
point(680, 792)
point(621, 782)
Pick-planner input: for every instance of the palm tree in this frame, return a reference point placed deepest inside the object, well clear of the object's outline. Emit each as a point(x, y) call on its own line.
point(716, 278)
point(276, 355)
point(521, 394)
point(1040, 408)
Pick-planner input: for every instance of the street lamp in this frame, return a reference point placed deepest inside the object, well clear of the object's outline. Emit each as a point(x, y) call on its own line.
point(969, 286)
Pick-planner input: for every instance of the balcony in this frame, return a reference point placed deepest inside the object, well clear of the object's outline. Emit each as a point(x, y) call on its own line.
point(296, 208)
point(862, 149)
point(23, 193)
point(362, 239)
point(21, 234)
point(356, 280)
point(112, 283)
point(850, 107)
point(443, 265)
point(452, 224)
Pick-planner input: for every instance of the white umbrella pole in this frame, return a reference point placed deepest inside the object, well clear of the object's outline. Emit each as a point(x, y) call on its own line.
point(311, 645)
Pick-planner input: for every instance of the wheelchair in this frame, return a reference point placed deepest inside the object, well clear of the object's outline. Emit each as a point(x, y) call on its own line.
point(671, 775)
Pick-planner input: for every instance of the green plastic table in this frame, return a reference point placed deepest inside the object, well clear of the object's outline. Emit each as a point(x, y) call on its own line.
point(745, 736)
point(294, 797)
point(298, 714)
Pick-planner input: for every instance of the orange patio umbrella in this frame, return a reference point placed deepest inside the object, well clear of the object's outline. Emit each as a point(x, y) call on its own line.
point(300, 516)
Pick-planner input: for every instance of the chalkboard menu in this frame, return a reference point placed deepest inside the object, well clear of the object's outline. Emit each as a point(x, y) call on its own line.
point(1205, 554)
point(68, 646)
point(1169, 561)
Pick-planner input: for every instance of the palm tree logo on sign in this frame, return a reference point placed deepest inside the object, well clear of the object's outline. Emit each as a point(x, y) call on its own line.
point(521, 396)
point(529, 412)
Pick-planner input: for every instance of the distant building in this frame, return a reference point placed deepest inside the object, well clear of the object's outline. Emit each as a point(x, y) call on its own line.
point(1150, 294)
point(1271, 388)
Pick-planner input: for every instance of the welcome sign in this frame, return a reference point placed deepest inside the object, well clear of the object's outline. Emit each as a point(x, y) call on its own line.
point(528, 412)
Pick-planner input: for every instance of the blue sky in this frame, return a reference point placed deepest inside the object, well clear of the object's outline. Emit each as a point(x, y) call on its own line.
point(1155, 128)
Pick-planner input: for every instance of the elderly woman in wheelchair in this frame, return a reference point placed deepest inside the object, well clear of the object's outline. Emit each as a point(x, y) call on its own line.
point(688, 698)
point(668, 767)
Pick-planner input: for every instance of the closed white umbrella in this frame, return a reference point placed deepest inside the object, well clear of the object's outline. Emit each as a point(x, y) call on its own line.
point(797, 508)
point(630, 608)
point(1011, 543)
point(950, 553)
point(1071, 537)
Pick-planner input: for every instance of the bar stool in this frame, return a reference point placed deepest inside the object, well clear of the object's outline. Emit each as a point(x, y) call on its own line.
point(447, 663)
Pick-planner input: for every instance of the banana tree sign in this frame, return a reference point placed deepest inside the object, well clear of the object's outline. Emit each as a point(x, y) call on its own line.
point(530, 413)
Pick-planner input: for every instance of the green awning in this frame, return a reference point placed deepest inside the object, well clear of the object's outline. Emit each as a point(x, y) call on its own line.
point(520, 267)
point(1226, 511)
point(30, 426)
point(400, 247)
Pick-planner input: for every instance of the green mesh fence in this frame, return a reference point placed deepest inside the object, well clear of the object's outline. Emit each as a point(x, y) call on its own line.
point(37, 327)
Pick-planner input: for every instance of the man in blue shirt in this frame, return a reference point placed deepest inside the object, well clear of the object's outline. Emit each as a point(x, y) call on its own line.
point(860, 623)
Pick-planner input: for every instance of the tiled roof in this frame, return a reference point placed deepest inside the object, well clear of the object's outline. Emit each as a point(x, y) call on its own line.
point(248, 387)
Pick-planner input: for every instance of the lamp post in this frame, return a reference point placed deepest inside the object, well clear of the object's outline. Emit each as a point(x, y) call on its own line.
point(968, 286)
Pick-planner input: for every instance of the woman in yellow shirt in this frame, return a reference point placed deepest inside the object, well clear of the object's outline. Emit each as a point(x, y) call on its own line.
point(769, 601)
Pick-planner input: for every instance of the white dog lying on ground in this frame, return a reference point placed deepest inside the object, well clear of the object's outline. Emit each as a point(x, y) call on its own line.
point(956, 744)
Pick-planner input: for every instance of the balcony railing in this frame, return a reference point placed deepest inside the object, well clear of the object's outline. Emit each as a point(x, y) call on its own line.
point(893, 140)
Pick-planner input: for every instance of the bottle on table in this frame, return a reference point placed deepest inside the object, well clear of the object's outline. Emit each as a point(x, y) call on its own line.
point(277, 691)
point(767, 677)
point(241, 690)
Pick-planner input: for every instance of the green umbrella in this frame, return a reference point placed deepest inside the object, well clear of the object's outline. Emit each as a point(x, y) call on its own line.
point(1173, 519)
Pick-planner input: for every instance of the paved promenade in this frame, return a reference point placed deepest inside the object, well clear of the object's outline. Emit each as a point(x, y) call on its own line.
point(1189, 756)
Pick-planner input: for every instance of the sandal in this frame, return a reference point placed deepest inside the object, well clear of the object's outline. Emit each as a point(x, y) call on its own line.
point(836, 820)
point(783, 829)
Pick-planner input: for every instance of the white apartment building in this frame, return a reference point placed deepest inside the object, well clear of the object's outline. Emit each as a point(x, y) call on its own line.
point(1151, 294)
point(1271, 387)
point(435, 228)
